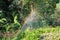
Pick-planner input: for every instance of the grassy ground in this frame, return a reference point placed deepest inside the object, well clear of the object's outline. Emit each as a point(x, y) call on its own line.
point(42, 34)
point(47, 33)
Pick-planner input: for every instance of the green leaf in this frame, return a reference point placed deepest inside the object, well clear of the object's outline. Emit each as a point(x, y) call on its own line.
point(15, 19)
point(25, 2)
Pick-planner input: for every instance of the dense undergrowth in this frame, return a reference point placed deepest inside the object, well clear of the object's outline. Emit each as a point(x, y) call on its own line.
point(44, 33)
point(14, 12)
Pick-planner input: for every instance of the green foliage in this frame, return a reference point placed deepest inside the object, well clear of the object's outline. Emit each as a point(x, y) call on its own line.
point(46, 8)
point(25, 2)
point(47, 14)
point(14, 16)
point(37, 34)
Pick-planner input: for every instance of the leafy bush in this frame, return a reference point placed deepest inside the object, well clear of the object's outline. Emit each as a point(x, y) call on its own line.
point(12, 14)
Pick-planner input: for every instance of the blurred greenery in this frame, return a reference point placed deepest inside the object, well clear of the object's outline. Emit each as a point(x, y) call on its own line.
point(37, 34)
point(14, 12)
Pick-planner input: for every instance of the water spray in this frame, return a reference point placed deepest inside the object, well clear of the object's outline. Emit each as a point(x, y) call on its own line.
point(28, 20)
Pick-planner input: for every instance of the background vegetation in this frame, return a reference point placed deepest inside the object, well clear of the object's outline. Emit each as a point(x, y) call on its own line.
point(14, 12)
